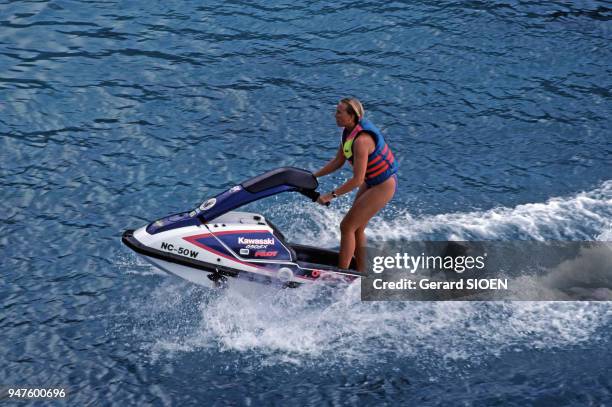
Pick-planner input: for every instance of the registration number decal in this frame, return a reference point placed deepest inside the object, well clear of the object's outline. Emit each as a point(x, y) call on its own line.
point(169, 247)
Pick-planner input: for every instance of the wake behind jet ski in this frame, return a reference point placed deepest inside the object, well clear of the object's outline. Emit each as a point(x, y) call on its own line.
point(213, 245)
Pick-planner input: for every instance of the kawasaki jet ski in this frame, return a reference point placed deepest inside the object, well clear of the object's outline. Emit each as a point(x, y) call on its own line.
point(213, 245)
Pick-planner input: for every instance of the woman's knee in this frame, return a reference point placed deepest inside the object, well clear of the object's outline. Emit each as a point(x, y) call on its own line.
point(360, 234)
point(347, 226)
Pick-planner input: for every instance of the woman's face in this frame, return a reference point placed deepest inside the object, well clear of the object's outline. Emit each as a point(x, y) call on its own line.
point(343, 118)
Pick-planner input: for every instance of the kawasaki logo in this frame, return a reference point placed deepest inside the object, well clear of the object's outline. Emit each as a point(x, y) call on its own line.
point(243, 240)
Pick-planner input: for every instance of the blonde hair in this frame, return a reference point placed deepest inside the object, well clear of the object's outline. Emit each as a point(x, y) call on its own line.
point(354, 107)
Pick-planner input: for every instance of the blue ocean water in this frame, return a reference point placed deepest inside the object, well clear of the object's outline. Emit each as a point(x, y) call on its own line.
point(116, 113)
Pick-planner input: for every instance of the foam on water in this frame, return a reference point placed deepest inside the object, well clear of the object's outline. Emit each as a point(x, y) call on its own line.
point(133, 264)
point(585, 216)
point(310, 326)
point(606, 234)
point(327, 326)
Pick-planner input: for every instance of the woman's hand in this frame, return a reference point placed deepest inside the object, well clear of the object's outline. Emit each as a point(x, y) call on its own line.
point(325, 199)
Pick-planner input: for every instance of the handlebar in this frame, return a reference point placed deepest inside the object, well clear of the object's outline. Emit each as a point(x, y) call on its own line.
point(312, 194)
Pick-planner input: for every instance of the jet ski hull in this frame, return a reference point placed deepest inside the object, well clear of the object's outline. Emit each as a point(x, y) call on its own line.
point(213, 245)
point(218, 270)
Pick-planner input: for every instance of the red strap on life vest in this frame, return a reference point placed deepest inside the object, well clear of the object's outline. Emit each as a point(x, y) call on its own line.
point(354, 133)
point(383, 169)
point(376, 168)
point(377, 159)
point(381, 161)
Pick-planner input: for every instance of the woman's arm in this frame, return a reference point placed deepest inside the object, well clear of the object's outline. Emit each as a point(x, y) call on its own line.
point(361, 148)
point(333, 165)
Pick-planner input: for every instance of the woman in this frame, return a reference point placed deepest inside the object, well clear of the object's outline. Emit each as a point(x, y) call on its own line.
point(374, 169)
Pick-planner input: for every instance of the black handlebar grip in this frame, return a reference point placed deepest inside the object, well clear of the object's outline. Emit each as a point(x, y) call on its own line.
point(312, 194)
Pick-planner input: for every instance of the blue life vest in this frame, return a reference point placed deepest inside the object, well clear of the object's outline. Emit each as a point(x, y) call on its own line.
point(381, 163)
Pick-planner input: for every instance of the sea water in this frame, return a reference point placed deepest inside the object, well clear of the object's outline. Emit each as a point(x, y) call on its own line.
point(115, 113)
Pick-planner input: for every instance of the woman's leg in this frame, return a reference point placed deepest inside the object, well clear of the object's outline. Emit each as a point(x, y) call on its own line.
point(361, 255)
point(360, 237)
point(364, 208)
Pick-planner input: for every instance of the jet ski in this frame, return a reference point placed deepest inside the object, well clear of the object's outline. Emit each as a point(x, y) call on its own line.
point(215, 246)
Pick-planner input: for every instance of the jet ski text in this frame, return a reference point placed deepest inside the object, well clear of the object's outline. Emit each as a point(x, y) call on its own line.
point(180, 250)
